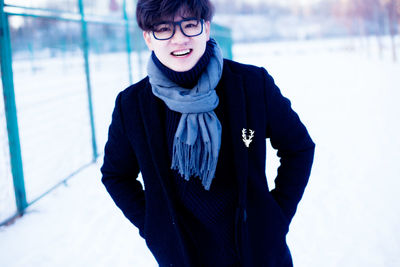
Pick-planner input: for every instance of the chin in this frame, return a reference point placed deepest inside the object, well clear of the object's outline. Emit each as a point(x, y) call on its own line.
point(181, 68)
point(180, 64)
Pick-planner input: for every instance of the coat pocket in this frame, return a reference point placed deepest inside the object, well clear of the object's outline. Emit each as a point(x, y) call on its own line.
point(279, 212)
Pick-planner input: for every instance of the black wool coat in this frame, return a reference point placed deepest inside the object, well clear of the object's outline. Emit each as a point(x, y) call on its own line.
point(249, 99)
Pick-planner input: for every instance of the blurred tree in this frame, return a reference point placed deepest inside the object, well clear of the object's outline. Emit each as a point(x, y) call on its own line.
point(113, 6)
point(392, 12)
point(370, 17)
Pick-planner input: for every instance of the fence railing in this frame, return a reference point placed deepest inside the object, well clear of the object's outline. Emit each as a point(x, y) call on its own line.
point(62, 66)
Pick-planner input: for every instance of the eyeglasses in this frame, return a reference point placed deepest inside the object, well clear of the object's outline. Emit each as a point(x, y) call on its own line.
point(190, 27)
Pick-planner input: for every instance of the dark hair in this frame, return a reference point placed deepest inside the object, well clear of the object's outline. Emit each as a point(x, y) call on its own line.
point(150, 12)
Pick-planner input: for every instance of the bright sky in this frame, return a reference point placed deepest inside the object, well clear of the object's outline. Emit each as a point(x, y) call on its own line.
point(283, 2)
point(17, 21)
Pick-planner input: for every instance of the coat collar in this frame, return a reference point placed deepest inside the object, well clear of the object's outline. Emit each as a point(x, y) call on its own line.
point(230, 90)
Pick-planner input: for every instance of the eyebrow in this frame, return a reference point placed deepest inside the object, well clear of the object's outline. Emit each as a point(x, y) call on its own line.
point(172, 21)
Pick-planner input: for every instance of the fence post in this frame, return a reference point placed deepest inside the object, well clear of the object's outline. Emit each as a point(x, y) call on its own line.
point(85, 48)
point(128, 41)
point(11, 112)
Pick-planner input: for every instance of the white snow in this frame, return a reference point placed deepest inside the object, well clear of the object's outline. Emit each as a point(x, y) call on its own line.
point(7, 198)
point(349, 213)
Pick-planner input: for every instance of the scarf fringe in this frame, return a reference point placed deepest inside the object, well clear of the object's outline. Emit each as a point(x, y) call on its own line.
point(195, 155)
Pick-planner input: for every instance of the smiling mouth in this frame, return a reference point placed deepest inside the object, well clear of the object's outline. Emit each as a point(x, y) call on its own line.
point(182, 53)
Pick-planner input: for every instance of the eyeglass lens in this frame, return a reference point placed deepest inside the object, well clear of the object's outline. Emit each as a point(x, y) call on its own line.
point(190, 28)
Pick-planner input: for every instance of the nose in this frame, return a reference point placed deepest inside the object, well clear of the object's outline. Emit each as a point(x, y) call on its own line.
point(179, 37)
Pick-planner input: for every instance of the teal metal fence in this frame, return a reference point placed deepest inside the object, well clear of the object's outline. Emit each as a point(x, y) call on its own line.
point(63, 63)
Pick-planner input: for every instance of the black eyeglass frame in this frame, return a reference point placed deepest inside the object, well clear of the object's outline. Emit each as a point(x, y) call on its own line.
point(174, 23)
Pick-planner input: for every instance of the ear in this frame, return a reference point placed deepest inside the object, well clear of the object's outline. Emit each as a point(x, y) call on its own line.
point(147, 39)
point(207, 29)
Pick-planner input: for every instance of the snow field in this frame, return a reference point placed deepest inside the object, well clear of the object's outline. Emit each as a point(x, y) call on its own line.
point(348, 215)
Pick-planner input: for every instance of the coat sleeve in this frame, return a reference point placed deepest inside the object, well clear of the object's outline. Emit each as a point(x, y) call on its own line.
point(120, 171)
point(295, 148)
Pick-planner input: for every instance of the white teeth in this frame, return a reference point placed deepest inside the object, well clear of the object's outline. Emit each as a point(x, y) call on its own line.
point(181, 53)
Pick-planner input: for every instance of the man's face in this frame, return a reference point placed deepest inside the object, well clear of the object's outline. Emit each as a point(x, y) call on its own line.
point(169, 51)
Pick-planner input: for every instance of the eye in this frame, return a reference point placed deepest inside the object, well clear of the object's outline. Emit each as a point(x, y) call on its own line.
point(162, 28)
point(191, 25)
point(165, 29)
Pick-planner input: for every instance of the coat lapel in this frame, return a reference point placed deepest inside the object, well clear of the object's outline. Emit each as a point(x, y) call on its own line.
point(231, 93)
point(150, 109)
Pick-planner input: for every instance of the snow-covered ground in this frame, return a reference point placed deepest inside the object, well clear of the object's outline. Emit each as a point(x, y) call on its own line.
point(349, 214)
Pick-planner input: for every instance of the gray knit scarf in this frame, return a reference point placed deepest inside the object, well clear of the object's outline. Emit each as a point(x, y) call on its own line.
point(198, 137)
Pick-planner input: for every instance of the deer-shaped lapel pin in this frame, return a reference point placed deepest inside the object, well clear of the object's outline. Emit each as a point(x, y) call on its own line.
point(246, 140)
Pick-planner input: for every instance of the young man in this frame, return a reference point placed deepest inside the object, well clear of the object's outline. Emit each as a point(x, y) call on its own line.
point(196, 129)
